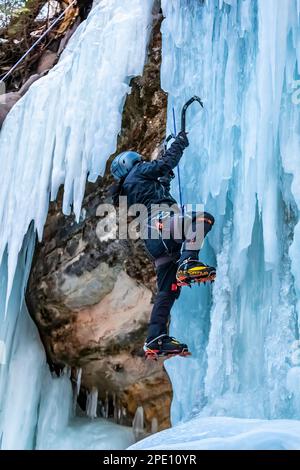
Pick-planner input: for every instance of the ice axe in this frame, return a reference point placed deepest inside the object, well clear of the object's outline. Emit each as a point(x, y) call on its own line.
point(184, 110)
point(183, 129)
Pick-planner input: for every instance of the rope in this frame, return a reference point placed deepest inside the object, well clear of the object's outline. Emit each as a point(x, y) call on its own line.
point(178, 169)
point(37, 42)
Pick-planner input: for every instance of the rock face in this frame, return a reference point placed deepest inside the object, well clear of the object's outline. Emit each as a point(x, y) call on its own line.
point(91, 297)
point(8, 100)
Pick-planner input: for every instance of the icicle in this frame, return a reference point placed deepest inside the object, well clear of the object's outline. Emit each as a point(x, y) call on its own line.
point(138, 424)
point(154, 425)
point(115, 407)
point(78, 381)
point(91, 403)
point(102, 409)
point(106, 406)
point(123, 415)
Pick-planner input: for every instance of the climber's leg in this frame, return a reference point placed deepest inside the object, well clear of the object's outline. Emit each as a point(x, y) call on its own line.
point(158, 342)
point(196, 226)
point(167, 293)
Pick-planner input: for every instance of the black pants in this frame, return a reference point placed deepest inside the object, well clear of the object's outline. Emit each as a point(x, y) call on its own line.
point(167, 253)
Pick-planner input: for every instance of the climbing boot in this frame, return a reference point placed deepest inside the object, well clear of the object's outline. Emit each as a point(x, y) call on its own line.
point(193, 271)
point(165, 346)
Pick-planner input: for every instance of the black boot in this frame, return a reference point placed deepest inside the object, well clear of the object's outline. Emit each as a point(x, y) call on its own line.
point(165, 346)
point(193, 271)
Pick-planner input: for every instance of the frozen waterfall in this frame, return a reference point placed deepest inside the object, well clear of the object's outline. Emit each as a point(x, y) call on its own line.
point(68, 122)
point(243, 58)
point(62, 131)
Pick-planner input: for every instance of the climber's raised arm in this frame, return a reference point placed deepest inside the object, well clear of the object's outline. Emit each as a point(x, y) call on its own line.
point(169, 160)
point(168, 233)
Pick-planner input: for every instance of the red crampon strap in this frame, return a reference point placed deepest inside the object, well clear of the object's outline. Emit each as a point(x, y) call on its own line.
point(204, 219)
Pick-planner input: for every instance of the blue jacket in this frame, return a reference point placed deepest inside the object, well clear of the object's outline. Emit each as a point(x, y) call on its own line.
point(149, 182)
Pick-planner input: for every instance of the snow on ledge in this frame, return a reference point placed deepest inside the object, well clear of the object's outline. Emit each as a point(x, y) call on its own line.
point(226, 434)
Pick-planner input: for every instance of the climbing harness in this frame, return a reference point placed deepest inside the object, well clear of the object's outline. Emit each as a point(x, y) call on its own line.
point(5, 77)
point(183, 129)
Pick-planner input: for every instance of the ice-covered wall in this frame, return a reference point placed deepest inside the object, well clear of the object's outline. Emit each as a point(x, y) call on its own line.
point(25, 379)
point(243, 58)
point(62, 131)
point(66, 126)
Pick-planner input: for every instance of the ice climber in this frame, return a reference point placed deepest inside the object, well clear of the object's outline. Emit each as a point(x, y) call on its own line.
point(176, 259)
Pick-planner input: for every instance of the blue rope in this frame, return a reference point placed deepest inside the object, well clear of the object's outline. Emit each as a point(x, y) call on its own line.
point(178, 169)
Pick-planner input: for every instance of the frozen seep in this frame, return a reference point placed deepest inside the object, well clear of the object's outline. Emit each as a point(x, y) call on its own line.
point(62, 131)
point(92, 403)
point(25, 363)
point(242, 58)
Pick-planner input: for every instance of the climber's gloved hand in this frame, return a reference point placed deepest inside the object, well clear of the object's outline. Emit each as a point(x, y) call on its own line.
point(166, 179)
point(182, 139)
